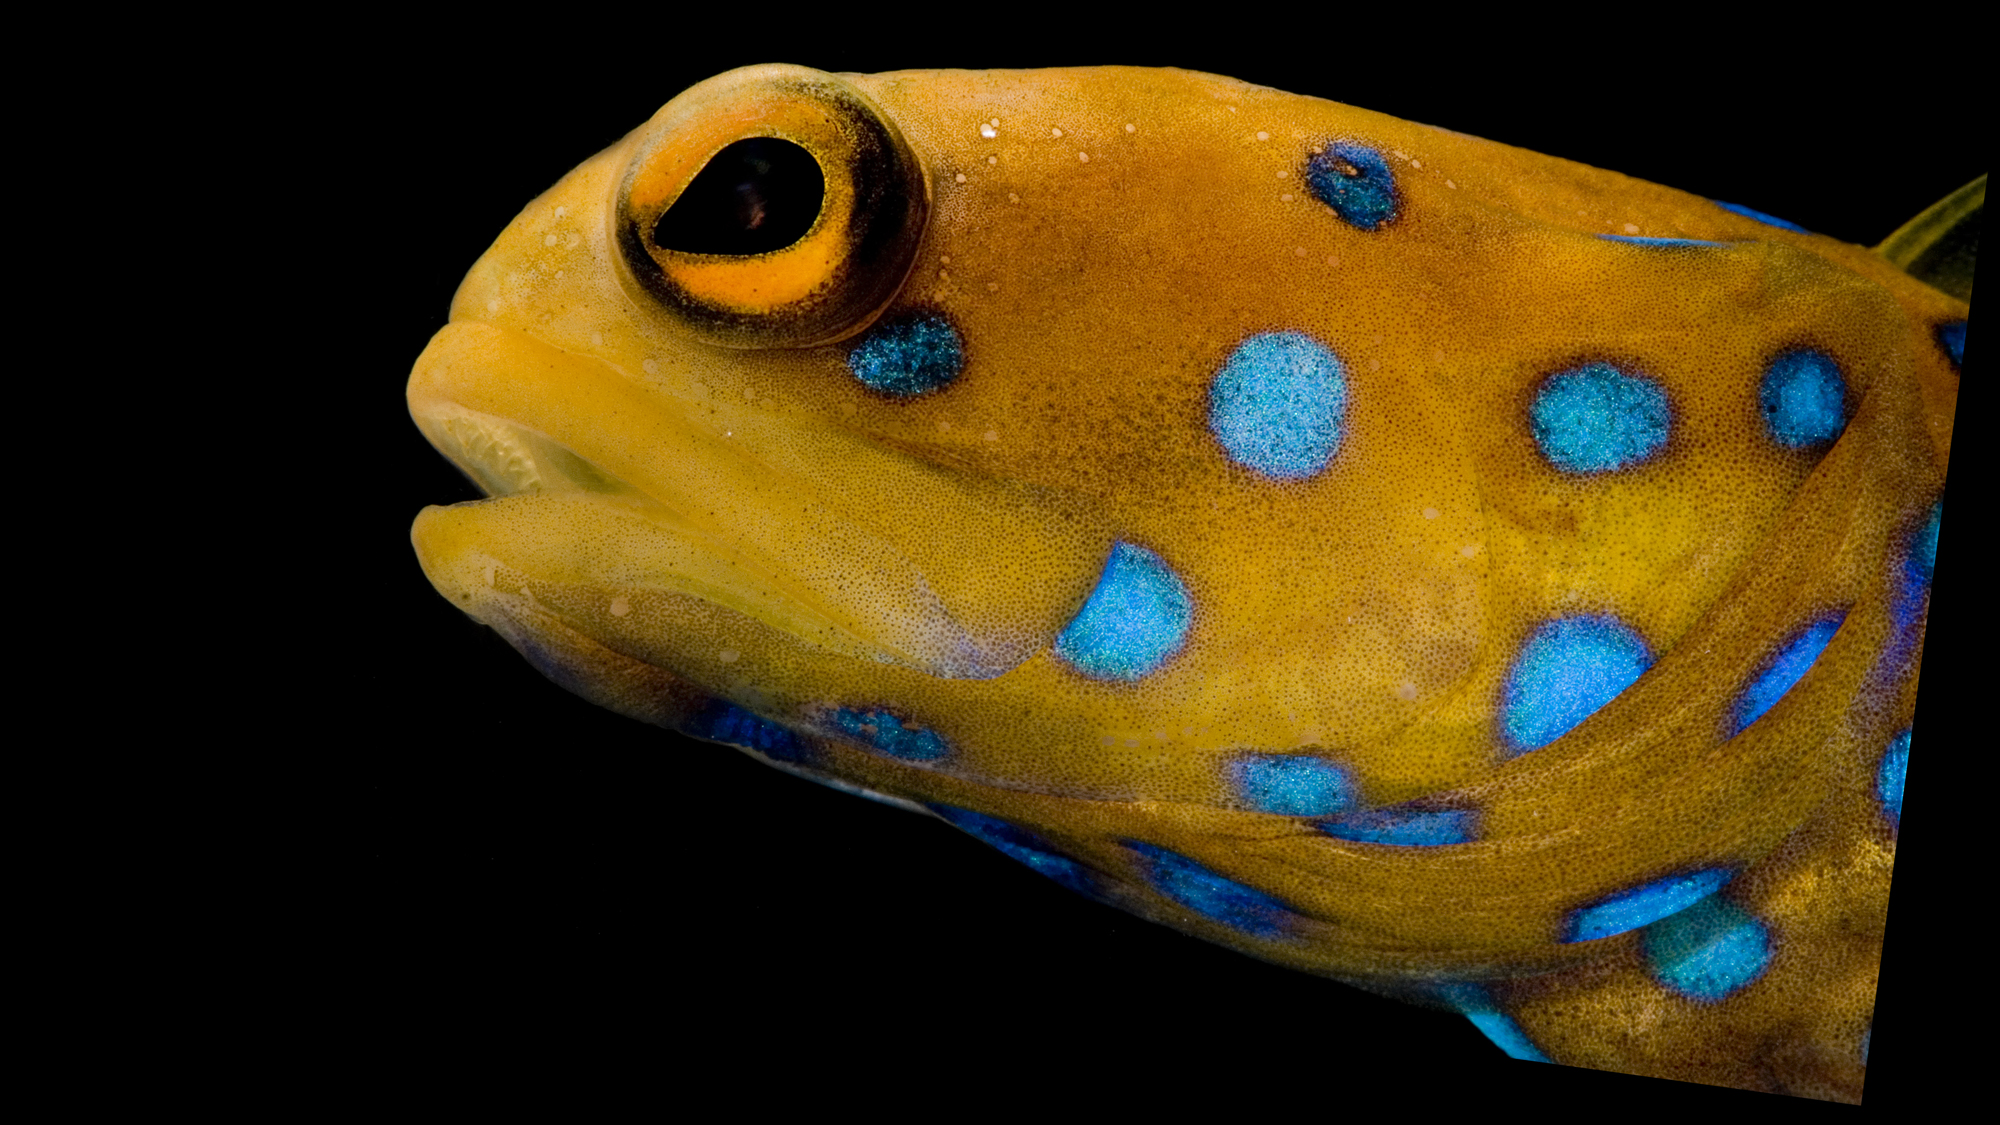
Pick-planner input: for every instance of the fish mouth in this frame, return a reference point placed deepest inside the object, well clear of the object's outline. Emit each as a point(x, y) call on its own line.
point(608, 490)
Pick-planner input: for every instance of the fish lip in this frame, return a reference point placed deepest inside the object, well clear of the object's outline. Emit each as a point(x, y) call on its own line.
point(880, 607)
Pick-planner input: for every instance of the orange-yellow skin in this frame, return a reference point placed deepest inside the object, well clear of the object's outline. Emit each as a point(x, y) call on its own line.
point(676, 522)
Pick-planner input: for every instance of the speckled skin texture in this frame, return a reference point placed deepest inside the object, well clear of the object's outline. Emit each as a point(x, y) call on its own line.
point(1370, 611)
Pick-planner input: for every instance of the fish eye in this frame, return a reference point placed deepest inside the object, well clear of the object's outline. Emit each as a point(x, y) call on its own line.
point(770, 207)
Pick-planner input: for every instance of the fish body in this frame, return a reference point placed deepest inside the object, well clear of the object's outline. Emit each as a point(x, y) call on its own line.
point(1481, 578)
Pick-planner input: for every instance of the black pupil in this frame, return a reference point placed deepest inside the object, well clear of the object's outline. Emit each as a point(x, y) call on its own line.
point(753, 197)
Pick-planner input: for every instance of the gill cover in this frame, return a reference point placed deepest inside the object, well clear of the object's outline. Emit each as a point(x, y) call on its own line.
point(770, 207)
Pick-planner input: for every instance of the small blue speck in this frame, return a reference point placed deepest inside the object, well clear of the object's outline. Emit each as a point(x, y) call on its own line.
point(1019, 844)
point(1768, 220)
point(1784, 670)
point(1291, 784)
point(1636, 240)
point(1922, 563)
point(1568, 668)
point(730, 724)
point(1643, 905)
point(1804, 399)
point(1951, 337)
point(1405, 826)
point(1211, 895)
point(1356, 182)
point(1278, 404)
point(1135, 619)
point(1889, 778)
point(1709, 950)
point(885, 732)
point(1596, 418)
point(908, 355)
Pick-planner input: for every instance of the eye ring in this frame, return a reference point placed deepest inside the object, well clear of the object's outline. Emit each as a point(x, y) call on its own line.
point(839, 269)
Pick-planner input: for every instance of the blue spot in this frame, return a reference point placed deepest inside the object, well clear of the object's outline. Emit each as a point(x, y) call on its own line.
point(1767, 220)
point(1408, 826)
point(885, 732)
point(1568, 669)
point(1664, 242)
point(1596, 418)
point(1278, 403)
point(908, 355)
point(1951, 337)
point(1134, 620)
point(1354, 181)
point(1477, 1004)
point(1709, 950)
point(1889, 778)
point(1211, 895)
point(1866, 1033)
point(728, 723)
point(1804, 399)
point(1291, 784)
point(1643, 905)
point(1023, 846)
point(1922, 561)
point(1784, 670)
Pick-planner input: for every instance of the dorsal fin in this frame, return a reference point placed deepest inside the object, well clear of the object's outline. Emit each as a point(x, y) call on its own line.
point(1940, 246)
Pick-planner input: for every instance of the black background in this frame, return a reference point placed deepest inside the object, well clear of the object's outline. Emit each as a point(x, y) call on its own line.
point(517, 875)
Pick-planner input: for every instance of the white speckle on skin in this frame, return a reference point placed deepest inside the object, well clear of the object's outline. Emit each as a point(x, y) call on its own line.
point(960, 177)
point(1406, 691)
point(1452, 184)
point(1285, 198)
point(1083, 156)
point(548, 240)
point(1012, 198)
point(561, 211)
point(1416, 163)
point(1262, 135)
point(493, 305)
point(988, 131)
point(1131, 128)
point(1469, 550)
point(1055, 132)
point(992, 436)
point(597, 339)
point(1333, 259)
point(620, 607)
point(728, 655)
point(652, 367)
point(1298, 250)
point(1631, 228)
point(992, 160)
point(490, 568)
point(1282, 173)
point(1430, 513)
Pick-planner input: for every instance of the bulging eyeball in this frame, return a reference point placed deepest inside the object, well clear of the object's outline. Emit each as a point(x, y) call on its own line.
point(770, 207)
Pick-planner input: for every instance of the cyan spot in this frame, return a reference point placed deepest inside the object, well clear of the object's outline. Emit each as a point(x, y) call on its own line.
point(1568, 669)
point(1709, 950)
point(1407, 826)
point(1023, 846)
point(1951, 337)
point(1278, 404)
point(1642, 905)
point(1804, 399)
point(1211, 895)
point(1782, 672)
point(1477, 1004)
point(1635, 240)
point(1596, 418)
point(1889, 778)
point(1922, 561)
point(1291, 784)
point(1767, 220)
point(1866, 1034)
point(1135, 619)
point(1356, 182)
point(885, 732)
point(908, 355)
point(728, 723)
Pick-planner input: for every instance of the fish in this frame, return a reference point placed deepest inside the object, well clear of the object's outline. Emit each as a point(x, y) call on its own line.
point(1219, 899)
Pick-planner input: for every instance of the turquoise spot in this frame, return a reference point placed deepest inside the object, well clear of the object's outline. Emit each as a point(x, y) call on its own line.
point(1922, 562)
point(1291, 784)
point(732, 725)
point(1356, 182)
point(1784, 670)
point(1568, 669)
point(1405, 826)
point(1211, 895)
point(1708, 951)
point(885, 732)
point(908, 355)
point(1278, 403)
point(1135, 619)
point(1477, 1004)
point(1951, 337)
point(1768, 220)
point(1596, 418)
point(1642, 905)
point(1804, 399)
point(1022, 846)
point(1635, 240)
point(1889, 777)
